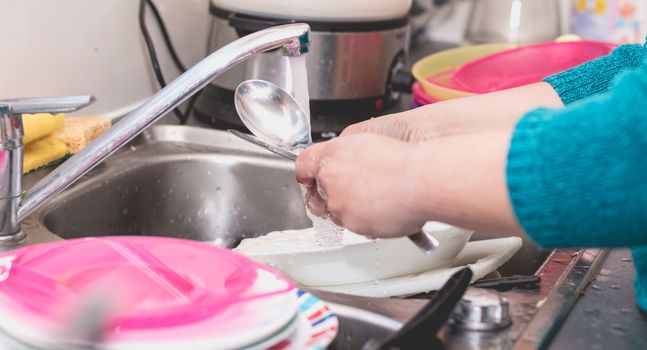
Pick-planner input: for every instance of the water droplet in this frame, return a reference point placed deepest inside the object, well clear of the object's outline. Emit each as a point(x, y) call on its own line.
point(592, 312)
point(133, 148)
point(595, 287)
point(218, 189)
point(626, 259)
point(605, 272)
point(614, 286)
point(124, 211)
point(617, 329)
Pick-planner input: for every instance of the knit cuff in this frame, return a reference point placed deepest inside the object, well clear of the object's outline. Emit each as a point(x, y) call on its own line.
point(576, 176)
point(526, 184)
point(596, 76)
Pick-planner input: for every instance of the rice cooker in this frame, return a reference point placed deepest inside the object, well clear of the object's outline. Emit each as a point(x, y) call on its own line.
point(357, 52)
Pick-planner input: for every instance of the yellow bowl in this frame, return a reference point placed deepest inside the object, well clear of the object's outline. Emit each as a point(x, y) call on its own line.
point(442, 64)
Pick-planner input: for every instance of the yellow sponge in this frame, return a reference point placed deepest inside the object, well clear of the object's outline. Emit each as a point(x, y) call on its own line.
point(43, 152)
point(79, 131)
point(40, 125)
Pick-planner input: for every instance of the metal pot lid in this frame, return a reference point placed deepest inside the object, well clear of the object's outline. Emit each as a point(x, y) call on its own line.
point(329, 10)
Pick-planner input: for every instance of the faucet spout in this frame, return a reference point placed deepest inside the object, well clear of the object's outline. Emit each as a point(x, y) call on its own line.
point(292, 39)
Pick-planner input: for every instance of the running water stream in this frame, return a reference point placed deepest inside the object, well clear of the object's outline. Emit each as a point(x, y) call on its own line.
point(326, 232)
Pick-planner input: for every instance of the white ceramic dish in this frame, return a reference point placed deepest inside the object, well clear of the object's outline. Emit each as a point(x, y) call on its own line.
point(482, 257)
point(296, 254)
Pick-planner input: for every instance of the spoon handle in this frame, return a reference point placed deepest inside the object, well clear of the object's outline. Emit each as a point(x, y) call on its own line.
point(425, 241)
point(256, 141)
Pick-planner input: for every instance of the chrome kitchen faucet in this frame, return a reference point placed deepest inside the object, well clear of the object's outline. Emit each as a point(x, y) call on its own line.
point(15, 206)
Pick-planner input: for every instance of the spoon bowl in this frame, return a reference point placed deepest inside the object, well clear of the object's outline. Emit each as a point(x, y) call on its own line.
point(272, 114)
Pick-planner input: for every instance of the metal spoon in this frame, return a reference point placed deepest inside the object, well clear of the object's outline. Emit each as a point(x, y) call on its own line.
point(272, 114)
point(276, 118)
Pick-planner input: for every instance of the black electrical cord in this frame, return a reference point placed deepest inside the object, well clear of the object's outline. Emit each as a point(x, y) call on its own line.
point(183, 117)
point(167, 38)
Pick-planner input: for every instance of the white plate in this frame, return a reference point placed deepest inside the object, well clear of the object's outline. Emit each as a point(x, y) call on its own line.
point(483, 257)
point(316, 327)
point(296, 254)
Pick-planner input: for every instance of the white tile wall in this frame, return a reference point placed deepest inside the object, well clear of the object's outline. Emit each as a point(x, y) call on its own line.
point(67, 47)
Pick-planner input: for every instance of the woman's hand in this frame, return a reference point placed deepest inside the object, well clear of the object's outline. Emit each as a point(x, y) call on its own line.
point(419, 125)
point(381, 187)
point(481, 113)
point(365, 182)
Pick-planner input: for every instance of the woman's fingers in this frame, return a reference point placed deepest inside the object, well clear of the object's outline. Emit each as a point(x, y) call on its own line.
point(309, 162)
point(354, 129)
point(315, 202)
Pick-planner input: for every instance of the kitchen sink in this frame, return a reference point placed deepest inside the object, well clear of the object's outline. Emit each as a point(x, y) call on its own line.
point(193, 192)
point(207, 185)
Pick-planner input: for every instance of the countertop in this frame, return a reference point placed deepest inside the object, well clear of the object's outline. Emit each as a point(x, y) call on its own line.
point(606, 316)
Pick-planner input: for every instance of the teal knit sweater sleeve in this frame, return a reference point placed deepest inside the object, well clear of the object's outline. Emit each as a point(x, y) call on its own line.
point(596, 76)
point(577, 176)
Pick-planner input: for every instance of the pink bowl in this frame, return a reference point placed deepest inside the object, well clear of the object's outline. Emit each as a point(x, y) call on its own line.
point(525, 65)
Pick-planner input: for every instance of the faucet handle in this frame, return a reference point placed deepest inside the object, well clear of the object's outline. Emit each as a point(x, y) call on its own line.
point(11, 131)
point(47, 104)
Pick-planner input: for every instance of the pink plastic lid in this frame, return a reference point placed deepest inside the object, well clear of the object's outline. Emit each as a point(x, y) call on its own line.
point(150, 283)
point(525, 65)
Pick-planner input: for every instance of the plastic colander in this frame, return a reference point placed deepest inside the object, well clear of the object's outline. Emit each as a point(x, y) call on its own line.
point(158, 290)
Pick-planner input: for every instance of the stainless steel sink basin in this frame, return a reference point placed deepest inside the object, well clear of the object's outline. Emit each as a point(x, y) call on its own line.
point(196, 192)
point(207, 185)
